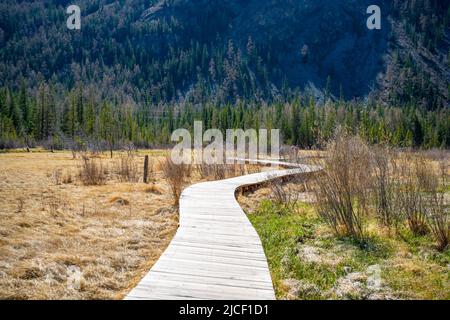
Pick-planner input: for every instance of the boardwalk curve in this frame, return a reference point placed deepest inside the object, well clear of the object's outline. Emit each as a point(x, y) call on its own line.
point(216, 253)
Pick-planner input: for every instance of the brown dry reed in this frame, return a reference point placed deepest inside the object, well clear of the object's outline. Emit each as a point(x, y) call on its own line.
point(91, 172)
point(175, 175)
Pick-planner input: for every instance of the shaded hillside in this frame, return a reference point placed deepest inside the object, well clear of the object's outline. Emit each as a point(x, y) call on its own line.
point(333, 36)
point(203, 50)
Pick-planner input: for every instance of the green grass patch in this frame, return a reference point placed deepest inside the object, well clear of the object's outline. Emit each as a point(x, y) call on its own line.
point(406, 270)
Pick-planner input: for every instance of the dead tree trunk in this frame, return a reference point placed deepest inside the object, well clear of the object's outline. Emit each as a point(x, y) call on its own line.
point(111, 149)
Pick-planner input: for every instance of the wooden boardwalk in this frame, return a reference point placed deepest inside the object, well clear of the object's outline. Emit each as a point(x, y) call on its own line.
point(216, 253)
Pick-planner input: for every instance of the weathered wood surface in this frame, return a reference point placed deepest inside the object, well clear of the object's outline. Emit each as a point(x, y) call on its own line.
point(216, 253)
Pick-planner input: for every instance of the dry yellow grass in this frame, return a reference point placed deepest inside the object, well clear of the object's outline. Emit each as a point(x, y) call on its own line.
point(62, 240)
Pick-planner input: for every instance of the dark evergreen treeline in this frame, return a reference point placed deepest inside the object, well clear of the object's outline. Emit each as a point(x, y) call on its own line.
point(79, 120)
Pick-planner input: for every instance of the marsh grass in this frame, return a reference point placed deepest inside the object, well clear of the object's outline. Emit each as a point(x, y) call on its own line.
point(410, 268)
point(314, 253)
point(126, 167)
point(359, 181)
point(92, 172)
point(73, 232)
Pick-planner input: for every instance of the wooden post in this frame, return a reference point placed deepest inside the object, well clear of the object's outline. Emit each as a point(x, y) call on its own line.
point(146, 169)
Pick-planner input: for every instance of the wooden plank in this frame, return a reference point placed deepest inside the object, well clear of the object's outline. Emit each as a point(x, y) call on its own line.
point(216, 253)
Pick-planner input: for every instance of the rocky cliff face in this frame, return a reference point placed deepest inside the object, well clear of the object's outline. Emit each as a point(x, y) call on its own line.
point(308, 41)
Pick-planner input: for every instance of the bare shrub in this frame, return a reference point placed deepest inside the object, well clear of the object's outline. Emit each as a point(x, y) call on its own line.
point(220, 171)
point(436, 210)
point(214, 171)
point(426, 178)
point(204, 170)
point(126, 168)
point(282, 193)
point(384, 187)
point(239, 169)
point(130, 148)
point(410, 196)
point(175, 175)
point(91, 172)
point(439, 221)
point(343, 187)
point(235, 170)
point(408, 188)
point(188, 169)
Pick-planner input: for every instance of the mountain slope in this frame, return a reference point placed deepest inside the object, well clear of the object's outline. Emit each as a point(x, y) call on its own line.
point(338, 43)
point(195, 50)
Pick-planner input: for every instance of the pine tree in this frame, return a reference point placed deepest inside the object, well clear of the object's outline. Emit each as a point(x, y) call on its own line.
point(14, 113)
point(39, 118)
point(50, 115)
point(23, 106)
point(80, 106)
point(107, 127)
point(90, 116)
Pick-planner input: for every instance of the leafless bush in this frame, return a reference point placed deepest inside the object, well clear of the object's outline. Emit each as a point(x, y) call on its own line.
point(126, 168)
point(220, 171)
point(188, 169)
point(384, 187)
point(130, 148)
point(175, 175)
point(426, 178)
point(239, 169)
point(214, 171)
point(433, 183)
point(343, 188)
point(439, 221)
point(92, 172)
point(408, 188)
point(289, 153)
point(282, 193)
point(235, 170)
point(204, 170)
point(410, 195)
